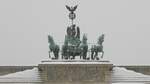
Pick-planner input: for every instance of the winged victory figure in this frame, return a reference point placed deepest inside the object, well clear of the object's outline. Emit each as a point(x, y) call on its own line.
point(72, 9)
point(72, 15)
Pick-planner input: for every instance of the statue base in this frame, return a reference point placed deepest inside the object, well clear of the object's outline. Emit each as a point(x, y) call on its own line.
point(75, 71)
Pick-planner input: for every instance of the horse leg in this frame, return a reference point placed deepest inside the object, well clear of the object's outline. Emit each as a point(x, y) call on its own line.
point(96, 55)
point(57, 54)
point(69, 56)
point(102, 54)
point(80, 56)
point(73, 56)
point(54, 54)
point(92, 53)
point(84, 55)
point(62, 55)
point(49, 54)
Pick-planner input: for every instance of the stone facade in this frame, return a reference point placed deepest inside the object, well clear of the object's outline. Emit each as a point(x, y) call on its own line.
point(76, 72)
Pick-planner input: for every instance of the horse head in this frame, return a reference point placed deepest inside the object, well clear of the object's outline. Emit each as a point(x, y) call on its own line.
point(84, 39)
point(100, 39)
point(50, 40)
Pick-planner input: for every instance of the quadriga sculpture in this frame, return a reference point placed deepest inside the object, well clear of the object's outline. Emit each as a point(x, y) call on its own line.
point(97, 48)
point(73, 46)
point(53, 47)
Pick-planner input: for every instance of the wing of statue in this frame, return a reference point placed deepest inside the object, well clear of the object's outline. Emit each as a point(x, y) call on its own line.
point(68, 8)
point(75, 8)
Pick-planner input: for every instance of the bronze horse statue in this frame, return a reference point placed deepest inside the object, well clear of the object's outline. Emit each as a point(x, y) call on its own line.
point(53, 47)
point(95, 49)
point(84, 47)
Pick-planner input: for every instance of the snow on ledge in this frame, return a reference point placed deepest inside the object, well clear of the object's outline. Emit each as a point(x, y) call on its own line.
point(75, 62)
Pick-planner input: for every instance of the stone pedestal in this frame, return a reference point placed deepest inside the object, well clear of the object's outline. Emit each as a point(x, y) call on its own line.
point(84, 71)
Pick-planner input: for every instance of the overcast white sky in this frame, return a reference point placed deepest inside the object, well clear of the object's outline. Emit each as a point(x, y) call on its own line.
point(24, 25)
